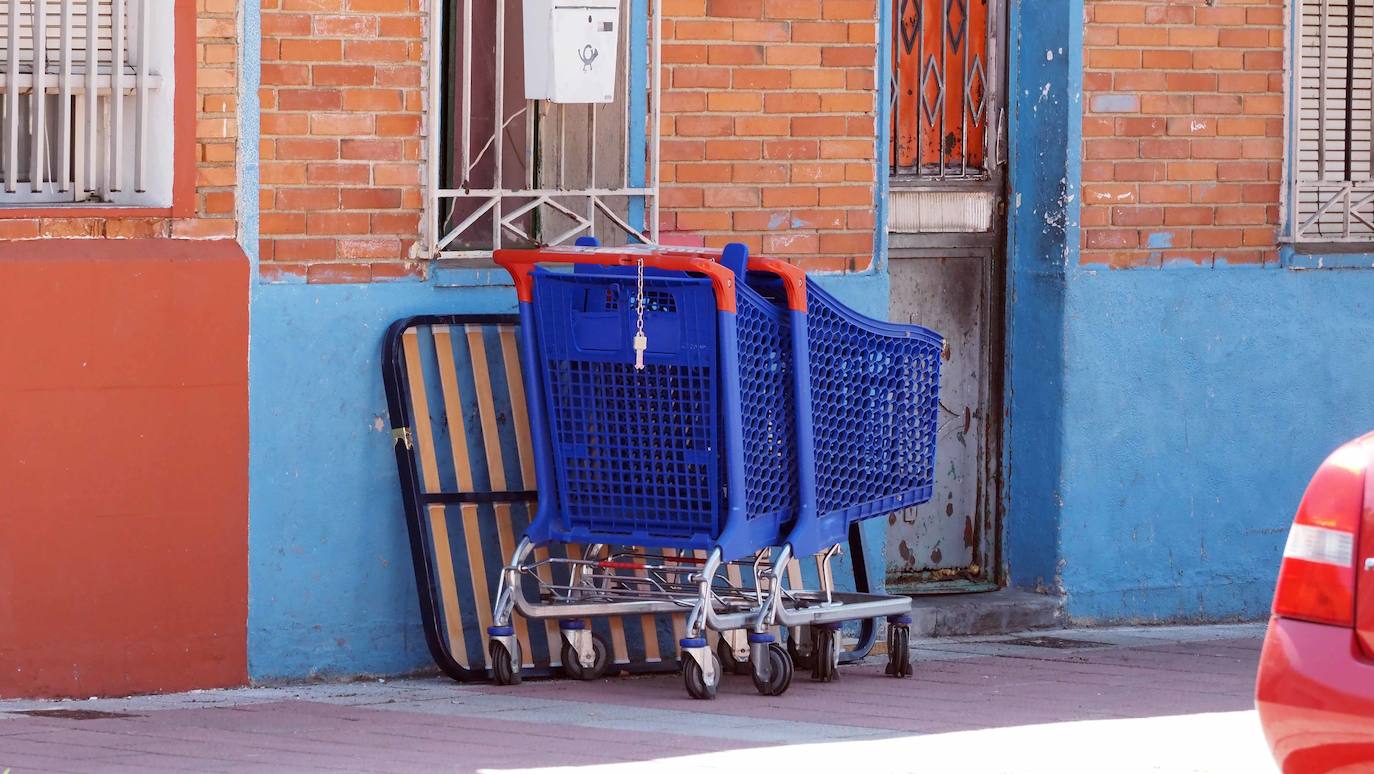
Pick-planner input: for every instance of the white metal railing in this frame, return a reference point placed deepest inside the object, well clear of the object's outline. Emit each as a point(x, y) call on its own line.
point(1331, 192)
point(478, 210)
point(86, 109)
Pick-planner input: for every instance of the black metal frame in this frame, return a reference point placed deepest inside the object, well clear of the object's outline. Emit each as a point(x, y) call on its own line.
point(397, 385)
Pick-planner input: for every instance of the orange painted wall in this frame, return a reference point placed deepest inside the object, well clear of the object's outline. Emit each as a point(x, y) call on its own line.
point(123, 466)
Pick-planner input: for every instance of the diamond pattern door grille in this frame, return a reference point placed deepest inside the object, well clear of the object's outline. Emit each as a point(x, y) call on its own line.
point(941, 89)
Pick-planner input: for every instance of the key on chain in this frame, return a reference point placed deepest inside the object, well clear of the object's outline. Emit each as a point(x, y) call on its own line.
point(641, 344)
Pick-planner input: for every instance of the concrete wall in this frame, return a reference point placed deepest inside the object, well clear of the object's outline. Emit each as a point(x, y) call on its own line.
point(1197, 404)
point(1162, 421)
point(123, 412)
point(332, 590)
point(123, 466)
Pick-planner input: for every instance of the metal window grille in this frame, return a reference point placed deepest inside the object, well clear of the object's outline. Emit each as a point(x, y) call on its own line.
point(1331, 195)
point(943, 90)
point(86, 113)
point(505, 171)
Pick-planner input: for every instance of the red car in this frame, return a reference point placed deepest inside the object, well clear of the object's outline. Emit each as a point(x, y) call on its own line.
point(1315, 692)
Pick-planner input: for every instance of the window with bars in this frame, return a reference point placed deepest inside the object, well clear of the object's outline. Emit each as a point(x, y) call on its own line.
point(86, 109)
point(1331, 164)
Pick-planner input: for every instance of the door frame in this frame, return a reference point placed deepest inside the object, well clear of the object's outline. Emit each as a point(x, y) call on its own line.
point(989, 245)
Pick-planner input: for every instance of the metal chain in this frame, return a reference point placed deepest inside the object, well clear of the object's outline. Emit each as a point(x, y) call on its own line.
point(641, 342)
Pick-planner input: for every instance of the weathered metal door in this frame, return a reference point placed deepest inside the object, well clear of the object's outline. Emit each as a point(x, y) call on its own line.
point(945, 226)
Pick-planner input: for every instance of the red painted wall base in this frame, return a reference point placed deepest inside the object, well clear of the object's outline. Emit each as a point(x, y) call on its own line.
point(123, 466)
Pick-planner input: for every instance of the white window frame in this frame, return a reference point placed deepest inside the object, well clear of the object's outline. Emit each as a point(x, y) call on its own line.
point(502, 209)
point(95, 150)
point(1326, 202)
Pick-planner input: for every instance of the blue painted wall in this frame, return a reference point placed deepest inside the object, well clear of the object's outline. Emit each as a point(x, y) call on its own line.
point(1198, 403)
point(1041, 111)
point(1162, 424)
point(331, 590)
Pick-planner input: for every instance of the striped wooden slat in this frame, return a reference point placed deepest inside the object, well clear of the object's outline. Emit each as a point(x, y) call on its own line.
point(438, 520)
point(520, 421)
point(496, 466)
point(462, 468)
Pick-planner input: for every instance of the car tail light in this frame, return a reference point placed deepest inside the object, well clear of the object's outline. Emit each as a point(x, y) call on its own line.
point(1317, 578)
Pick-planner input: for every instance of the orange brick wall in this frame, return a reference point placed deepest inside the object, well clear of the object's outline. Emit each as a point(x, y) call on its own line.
point(216, 137)
point(1182, 131)
point(768, 131)
point(341, 138)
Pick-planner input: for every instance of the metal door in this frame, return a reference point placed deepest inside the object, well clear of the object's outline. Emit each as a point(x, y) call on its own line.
point(945, 229)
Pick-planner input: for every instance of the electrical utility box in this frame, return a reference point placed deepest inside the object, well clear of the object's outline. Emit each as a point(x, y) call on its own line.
point(570, 50)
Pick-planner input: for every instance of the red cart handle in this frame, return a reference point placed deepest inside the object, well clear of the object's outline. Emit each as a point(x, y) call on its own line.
point(521, 262)
point(793, 278)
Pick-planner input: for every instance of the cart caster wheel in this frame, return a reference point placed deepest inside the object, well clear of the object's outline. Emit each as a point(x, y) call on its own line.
point(899, 650)
point(503, 664)
point(696, 681)
point(800, 660)
point(780, 667)
point(726, 656)
point(826, 652)
point(572, 666)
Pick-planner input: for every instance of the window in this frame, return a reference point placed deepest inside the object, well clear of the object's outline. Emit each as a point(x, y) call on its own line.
point(507, 171)
point(1331, 164)
point(86, 114)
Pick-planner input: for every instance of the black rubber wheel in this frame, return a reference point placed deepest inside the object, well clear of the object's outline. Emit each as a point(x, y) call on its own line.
point(781, 672)
point(899, 651)
point(800, 661)
point(826, 656)
point(503, 665)
point(572, 667)
point(695, 680)
point(726, 655)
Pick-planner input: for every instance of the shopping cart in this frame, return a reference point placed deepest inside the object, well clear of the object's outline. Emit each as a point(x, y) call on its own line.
point(671, 404)
point(872, 400)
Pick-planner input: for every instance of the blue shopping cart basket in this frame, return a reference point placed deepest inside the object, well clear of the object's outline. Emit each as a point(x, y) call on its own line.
point(873, 395)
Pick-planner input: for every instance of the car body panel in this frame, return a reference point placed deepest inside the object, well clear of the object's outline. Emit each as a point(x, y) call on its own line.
point(1315, 697)
point(1364, 562)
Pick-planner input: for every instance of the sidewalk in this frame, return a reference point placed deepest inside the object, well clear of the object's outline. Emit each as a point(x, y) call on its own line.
point(1175, 699)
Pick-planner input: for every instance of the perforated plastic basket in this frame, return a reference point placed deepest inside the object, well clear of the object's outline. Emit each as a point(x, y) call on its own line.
point(642, 457)
point(875, 402)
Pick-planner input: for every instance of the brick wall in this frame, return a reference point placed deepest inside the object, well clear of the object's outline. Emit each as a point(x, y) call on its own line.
point(341, 139)
point(768, 132)
point(1182, 131)
point(769, 124)
point(211, 215)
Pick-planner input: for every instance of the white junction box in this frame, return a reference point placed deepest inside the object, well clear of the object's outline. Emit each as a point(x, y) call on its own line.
point(571, 49)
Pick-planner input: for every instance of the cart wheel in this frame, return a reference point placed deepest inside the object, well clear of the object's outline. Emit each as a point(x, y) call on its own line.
point(572, 666)
point(503, 665)
point(726, 655)
point(781, 672)
point(826, 653)
point(696, 681)
point(800, 661)
point(899, 651)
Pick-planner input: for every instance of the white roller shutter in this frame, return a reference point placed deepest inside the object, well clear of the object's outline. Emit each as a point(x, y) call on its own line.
point(1333, 171)
point(84, 101)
